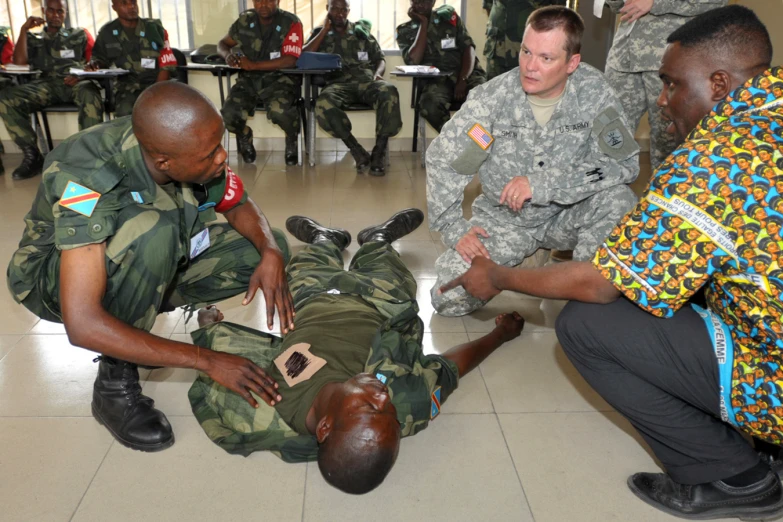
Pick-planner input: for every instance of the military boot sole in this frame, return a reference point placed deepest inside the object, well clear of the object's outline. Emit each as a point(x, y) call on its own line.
point(147, 448)
point(399, 225)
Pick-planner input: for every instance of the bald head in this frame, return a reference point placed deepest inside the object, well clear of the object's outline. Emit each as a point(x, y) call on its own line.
point(168, 118)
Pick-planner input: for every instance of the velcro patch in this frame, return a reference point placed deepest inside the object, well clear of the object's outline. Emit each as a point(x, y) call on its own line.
point(480, 135)
point(79, 199)
point(435, 407)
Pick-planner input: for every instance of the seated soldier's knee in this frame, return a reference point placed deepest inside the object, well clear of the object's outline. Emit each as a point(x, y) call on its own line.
point(615, 202)
point(575, 326)
point(388, 93)
point(454, 303)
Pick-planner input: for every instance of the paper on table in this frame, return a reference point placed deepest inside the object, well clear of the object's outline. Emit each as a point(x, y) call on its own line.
point(12, 67)
point(598, 8)
point(418, 69)
point(78, 72)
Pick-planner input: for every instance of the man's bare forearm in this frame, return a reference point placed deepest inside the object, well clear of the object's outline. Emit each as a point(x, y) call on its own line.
point(468, 62)
point(416, 53)
point(571, 280)
point(251, 223)
point(20, 51)
point(469, 355)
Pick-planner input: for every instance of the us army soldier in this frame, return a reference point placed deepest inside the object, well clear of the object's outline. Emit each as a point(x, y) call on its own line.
point(505, 26)
point(439, 38)
point(53, 52)
point(359, 81)
point(552, 152)
point(635, 56)
point(138, 45)
point(262, 41)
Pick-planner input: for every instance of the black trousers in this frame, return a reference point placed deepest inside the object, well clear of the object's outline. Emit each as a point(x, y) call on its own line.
point(662, 375)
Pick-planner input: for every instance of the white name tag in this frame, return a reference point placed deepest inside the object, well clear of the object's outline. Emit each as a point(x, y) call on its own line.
point(148, 63)
point(448, 43)
point(67, 53)
point(272, 56)
point(363, 56)
point(199, 243)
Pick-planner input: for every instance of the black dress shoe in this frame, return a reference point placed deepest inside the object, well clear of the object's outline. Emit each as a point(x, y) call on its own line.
point(291, 149)
point(118, 404)
point(245, 146)
point(31, 165)
point(309, 231)
point(760, 501)
point(378, 158)
point(399, 225)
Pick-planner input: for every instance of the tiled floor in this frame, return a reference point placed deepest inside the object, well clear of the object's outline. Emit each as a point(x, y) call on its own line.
point(524, 438)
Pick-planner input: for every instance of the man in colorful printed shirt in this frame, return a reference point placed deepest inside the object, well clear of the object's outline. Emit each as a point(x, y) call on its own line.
point(687, 376)
point(352, 377)
point(262, 41)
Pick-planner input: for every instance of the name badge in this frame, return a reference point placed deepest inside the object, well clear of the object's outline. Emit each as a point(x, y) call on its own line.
point(363, 56)
point(67, 53)
point(199, 243)
point(148, 63)
point(272, 56)
point(448, 43)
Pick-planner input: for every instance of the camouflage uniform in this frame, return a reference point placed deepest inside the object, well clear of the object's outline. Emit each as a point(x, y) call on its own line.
point(147, 229)
point(6, 55)
point(505, 28)
point(378, 275)
point(634, 60)
point(438, 93)
point(138, 54)
point(278, 92)
point(45, 53)
point(355, 83)
point(578, 166)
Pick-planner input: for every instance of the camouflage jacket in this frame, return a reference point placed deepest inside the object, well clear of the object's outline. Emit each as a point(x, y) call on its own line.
point(54, 54)
point(414, 380)
point(285, 38)
point(639, 46)
point(445, 27)
point(507, 18)
point(87, 181)
point(141, 57)
point(358, 49)
point(583, 149)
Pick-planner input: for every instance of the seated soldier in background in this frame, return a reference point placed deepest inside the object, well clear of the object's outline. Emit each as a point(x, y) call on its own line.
point(351, 379)
point(53, 52)
point(6, 56)
point(439, 38)
point(359, 81)
point(138, 45)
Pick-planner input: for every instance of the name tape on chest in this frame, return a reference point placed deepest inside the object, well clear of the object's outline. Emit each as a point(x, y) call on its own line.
point(297, 364)
point(80, 199)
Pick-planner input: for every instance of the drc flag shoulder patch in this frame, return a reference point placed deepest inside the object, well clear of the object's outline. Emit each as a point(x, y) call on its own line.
point(79, 199)
point(435, 407)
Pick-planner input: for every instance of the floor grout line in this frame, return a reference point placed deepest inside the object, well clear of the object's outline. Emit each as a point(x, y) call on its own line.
point(516, 470)
point(81, 499)
point(304, 491)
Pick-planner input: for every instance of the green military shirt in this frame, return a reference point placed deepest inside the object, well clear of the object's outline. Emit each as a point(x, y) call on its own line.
point(55, 54)
point(138, 53)
point(447, 39)
point(260, 43)
point(395, 357)
point(358, 49)
point(87, 181)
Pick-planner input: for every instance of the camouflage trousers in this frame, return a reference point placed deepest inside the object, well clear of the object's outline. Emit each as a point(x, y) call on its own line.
point(4, 83)
point(145, 277)
point(580, 227)
point(638, 93)
point(18, 103)
point(279, 94)
point(380, 95)
point(502, 56)
point(437, 97)
point(125, 95)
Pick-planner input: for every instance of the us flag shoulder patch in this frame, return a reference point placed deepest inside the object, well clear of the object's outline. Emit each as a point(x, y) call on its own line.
point(482, 138)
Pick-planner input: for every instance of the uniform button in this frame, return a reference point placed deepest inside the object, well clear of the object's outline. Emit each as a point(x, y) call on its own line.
point(540, 163)
point(96, 228)
point(71, 231)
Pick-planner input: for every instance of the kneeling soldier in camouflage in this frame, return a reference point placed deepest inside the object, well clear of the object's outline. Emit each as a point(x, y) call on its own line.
point(117, 234)
point(359, 81)
point(352, 378)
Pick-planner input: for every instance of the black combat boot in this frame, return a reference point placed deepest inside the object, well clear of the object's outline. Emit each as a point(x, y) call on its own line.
point(310, 231)
point(245, 146)
point(2, 167)
point(360, 156)
point(291, 149)
point(118, 404)
point(399, 225)
point(378, 160)
point(32, 163)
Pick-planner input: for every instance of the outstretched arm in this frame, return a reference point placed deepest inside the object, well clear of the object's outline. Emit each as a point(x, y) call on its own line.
point(469, 355)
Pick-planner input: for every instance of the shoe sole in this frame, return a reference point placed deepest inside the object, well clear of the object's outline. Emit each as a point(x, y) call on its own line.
point(147, 448)
point(770, 513)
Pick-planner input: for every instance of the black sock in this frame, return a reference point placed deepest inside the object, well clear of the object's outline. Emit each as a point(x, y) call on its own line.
point(749, 476)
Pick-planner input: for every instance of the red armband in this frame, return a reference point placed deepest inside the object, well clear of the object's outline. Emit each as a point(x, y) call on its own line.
point(166, 57)
point(233, 192)
point(7, 55)
point(453, 19)
point(292, 45)
point(88, 48)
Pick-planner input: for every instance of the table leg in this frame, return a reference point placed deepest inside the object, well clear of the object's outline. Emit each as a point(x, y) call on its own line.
point(415, 107)
point(226, 134)
point(310, 120)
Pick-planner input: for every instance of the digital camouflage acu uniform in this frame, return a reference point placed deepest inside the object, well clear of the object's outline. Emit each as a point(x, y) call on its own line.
point(53, 55)
point(97, 189)
point(355, 83)
point(634, 60)
point(578, 166)
point(445, 29)
point(505, 28)
point(139, 53)
point(6, 56)
point(378, 275)
point(277, 91)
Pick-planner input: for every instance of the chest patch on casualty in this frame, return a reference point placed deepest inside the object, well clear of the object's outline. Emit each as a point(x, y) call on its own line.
point(480, 135)
point(297, 364)
point(435, 407)
point(79, 199)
